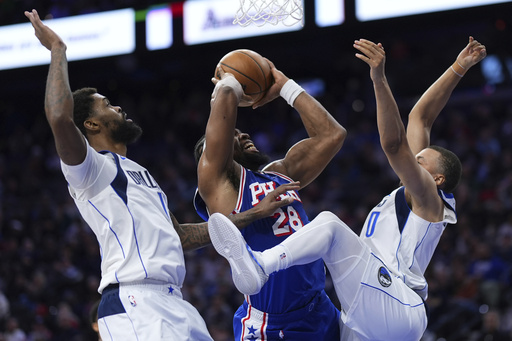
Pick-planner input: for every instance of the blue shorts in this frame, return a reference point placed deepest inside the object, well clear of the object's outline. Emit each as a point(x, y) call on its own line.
point(319, 320)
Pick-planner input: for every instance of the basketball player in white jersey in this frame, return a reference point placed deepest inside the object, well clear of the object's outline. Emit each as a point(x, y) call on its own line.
point(378, 276)
point(141, 243)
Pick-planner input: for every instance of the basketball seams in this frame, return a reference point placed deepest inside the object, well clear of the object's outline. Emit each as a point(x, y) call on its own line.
point(259, 66)
point(250, 70)
point(246, 76)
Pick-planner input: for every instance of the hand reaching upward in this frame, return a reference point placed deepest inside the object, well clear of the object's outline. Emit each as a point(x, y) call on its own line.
point(471, 54)
point(46, 36)
point(373, 55)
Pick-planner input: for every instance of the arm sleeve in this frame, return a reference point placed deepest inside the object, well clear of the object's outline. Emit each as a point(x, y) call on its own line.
point(96, 170)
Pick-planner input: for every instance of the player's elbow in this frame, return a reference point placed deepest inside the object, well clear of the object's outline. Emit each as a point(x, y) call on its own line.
point(420, 119)
point(60, 121)
point(392, 145)
point(337, 136)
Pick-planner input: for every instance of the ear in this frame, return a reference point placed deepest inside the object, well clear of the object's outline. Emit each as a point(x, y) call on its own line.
point(91, 125)
point(439, 179)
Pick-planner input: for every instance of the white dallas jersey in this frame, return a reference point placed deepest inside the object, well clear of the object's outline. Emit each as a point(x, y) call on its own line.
point(128, 212)
point(404, 241)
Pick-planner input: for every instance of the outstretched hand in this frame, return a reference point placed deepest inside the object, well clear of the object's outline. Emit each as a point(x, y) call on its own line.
point(373, 55)
point(473, 53)
point(46, 36)
point(274, 199)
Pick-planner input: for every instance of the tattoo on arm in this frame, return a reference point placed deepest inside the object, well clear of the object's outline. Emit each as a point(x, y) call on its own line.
point(243, 219)
point(195, 235)
point(192, 236)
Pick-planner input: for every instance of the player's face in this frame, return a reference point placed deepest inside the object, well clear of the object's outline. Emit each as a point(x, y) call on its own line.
point(246, 153)
point(429, 159)
point(121, 129)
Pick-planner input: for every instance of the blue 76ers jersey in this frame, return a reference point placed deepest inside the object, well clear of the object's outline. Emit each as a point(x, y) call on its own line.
point(289, 289)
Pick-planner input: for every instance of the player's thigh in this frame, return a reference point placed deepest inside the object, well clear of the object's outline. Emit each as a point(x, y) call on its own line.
point(385, 308)
point(319, 320)
point(323, 323)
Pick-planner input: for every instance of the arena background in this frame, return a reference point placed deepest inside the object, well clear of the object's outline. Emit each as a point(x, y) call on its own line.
point(49, 259)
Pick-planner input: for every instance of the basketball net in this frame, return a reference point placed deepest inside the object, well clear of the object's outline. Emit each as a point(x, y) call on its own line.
point(260, 12)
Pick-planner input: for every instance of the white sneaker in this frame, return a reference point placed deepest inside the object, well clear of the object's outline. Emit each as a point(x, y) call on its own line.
point(247, 273)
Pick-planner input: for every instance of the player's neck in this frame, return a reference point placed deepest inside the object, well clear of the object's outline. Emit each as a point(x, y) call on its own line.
point(100, 144)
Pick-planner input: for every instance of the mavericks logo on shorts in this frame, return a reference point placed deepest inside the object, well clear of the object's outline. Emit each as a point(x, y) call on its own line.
point(384, 277)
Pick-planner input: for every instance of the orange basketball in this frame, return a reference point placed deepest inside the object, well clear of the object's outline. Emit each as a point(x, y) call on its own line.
point(251, 70)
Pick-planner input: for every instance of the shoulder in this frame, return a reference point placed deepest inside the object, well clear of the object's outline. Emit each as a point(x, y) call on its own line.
point(440, 207)
point(277, 166)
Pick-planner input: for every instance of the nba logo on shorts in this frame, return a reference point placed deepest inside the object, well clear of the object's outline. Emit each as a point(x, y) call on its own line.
point(131, 298)
point(384, 277)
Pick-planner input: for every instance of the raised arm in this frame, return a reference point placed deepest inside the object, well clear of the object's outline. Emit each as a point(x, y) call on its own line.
point(195, 235)
point(216, 161)
point(305, 160)
point(429, 106)
point(419, 184)
point(69, 141)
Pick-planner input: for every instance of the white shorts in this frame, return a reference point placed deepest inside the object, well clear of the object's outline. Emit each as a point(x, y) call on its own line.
point(384, 308)
point(148, 311)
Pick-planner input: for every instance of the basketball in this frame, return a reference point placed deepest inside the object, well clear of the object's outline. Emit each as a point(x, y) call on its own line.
point(251, 70)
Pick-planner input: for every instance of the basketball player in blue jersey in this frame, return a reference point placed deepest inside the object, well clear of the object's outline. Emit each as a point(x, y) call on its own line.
point(378, 276)
point(292, 305)
point(141, 243)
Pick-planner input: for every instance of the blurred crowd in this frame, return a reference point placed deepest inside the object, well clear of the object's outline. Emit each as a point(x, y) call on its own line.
point(50, 261)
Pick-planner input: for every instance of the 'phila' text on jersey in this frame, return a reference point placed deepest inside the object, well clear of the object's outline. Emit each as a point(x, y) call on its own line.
point(260, 190)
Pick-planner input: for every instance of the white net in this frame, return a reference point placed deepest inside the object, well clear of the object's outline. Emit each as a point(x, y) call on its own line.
point(260, 12)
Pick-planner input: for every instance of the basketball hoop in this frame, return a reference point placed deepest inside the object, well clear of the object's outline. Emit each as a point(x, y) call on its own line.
point(260, 12)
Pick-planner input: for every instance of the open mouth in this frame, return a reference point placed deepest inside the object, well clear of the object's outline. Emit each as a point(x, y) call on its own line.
point(250, 147)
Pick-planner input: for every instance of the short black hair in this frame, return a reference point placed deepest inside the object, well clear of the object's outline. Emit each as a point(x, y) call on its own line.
point(451, 168)
point(82, 108)
point(198, 148)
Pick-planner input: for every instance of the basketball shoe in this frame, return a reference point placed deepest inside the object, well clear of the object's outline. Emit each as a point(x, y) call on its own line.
point(246, 270)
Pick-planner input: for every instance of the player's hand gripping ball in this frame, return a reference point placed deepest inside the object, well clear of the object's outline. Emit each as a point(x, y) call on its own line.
point(251, 70)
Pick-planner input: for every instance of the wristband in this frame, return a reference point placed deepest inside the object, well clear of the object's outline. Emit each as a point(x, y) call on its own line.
point(290, 91)
point(232, 83)
point(458, 69)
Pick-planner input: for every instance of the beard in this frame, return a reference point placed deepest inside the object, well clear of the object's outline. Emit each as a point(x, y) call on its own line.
point(252, 161)
point(125, 132)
